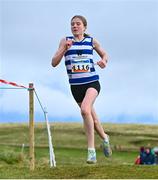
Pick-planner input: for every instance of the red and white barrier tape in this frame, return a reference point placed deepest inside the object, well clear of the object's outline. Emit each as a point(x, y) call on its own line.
point(11, 83)
point(51, 149)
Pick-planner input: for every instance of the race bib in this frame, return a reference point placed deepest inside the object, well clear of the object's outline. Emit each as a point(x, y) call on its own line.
point(79, 66)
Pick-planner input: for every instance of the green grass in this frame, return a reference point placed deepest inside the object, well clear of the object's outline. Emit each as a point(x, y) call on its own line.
point(79, 172)
point(70, 150)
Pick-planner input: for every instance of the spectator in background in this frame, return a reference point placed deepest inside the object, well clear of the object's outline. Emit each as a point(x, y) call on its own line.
point(156, 158)
point(149, 158)
point(142, 155)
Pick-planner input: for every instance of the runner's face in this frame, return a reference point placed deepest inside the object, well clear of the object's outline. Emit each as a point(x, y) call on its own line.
point(77, 27)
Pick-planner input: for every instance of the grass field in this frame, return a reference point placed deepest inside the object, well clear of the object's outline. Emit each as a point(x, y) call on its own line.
point(70, 149)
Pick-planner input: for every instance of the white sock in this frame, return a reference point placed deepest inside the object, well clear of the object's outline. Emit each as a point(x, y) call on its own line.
point(91, 152)
point(106, 139)
point(91, 149)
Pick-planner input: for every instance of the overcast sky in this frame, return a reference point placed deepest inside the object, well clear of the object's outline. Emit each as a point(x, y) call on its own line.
point(30, 31)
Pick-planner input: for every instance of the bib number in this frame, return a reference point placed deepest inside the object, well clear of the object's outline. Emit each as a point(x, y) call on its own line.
point(80, 66)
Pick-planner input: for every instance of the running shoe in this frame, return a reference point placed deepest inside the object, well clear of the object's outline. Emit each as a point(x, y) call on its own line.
point(91, 157)
point(106, 148)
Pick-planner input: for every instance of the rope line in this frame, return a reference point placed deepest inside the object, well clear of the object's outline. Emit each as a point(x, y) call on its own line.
point(11, 88)
point(51, 150)
point(43, 109)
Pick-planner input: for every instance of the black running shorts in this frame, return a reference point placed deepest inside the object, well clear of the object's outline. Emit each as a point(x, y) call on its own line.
point(79, 91)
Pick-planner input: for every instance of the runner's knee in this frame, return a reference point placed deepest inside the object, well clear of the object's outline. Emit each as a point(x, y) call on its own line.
point(96, 122)
point(85, 111)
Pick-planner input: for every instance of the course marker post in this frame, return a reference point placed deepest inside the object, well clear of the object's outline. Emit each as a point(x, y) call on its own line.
point(31, 127)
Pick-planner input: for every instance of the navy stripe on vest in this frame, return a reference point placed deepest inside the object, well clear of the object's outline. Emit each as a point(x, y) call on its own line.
point(84, 79)
point(68, 62)
point(74, 51)
point(84, 43)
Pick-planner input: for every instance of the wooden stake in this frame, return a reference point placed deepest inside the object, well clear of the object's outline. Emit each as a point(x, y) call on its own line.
point(31, 127)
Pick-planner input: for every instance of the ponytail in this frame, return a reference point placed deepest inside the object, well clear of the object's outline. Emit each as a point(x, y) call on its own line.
point(86, 35)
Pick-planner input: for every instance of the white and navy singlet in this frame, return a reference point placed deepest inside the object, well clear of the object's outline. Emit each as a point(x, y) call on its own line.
point(79, 62)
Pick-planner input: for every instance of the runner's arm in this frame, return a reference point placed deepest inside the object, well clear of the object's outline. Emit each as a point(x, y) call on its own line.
point(59, 53)
point(64, 45)
point(101, 52)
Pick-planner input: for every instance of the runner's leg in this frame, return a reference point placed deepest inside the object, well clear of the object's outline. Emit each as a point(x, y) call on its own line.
point(86, 109)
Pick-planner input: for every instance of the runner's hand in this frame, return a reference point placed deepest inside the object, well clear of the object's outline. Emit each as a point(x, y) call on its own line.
point(102, 63)
point(69, 43)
